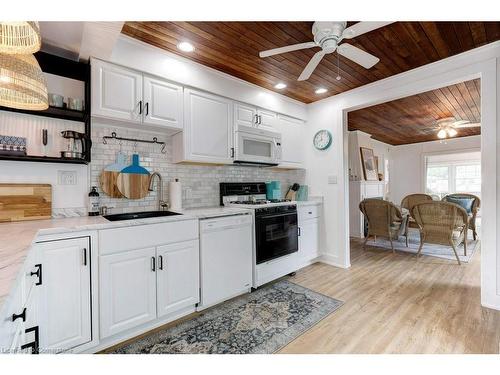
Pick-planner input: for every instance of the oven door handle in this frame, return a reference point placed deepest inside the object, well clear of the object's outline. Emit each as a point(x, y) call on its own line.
point(276, 215)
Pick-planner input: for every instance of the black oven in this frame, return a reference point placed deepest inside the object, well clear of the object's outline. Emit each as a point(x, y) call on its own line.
point(276, 232)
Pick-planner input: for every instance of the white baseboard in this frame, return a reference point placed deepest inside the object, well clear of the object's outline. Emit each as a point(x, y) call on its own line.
point(332, 261)
point(490, 306)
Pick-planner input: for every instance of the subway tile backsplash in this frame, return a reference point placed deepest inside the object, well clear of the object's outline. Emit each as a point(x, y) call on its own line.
point(200, 183)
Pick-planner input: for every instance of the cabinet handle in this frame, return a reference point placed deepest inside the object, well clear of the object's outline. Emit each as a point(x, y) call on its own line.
point(260, 119)
point(140, 107)
point(256, 118)
point(19, 316)
point(310, 213)
point(160, 262)
point(34, 345)
point(147, 108)
point(153, 264)
point(298, 231)
point(84, 256)
point(232, 152)
point(38, 274)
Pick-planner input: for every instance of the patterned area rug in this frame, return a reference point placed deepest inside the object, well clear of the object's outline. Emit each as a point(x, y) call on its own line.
point(438, 251)
point(260, 322)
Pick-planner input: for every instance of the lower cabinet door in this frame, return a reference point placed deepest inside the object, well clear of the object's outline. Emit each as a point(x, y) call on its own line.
point(127, 290)
point(309, 240)
point(64, 316)
point(178, 276)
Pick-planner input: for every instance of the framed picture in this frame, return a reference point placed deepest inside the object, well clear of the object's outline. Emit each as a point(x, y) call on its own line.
point(369, 164)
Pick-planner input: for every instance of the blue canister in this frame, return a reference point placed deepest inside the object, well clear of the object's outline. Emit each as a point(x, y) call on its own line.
point(273, 190)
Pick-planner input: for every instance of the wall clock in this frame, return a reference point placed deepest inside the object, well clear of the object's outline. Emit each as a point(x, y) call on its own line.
point(322, 139)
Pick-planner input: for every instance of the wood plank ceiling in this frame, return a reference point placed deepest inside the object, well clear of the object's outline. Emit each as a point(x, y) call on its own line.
point(413, 119)
point(233, 47)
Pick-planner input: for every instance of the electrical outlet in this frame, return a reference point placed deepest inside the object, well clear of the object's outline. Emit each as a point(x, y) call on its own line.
point(332, 179)
point(66, 177)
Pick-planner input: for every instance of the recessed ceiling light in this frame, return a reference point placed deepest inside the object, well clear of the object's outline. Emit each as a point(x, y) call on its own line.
point(321, 90)
point(280, 86)
point(185, 46)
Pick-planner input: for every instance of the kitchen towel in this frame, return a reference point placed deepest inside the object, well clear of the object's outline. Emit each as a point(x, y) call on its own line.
point(175, 195)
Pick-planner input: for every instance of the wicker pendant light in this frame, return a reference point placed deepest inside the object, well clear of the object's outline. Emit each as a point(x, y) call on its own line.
point(20, 37)
point(22, 83)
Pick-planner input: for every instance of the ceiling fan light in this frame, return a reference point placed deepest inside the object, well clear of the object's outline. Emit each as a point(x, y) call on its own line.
point(20, 37)
point(441, 134)
point(321, 90)
point(452, 132)
point(22, 83)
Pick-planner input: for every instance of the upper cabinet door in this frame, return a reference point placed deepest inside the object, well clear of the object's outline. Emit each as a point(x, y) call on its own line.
point(163, 103)
point(245, 116)
point(127, 290)
point(267, 120)
point(64, 298)
point(292, 141)
point(116, 92)
point(208, 127)
point(178, 277)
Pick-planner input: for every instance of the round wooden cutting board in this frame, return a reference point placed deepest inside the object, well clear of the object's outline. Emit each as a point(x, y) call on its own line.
point(133, 185)
point(108, 184)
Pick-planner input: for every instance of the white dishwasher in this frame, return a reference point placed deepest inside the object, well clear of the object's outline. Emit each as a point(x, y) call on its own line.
point(226, 257)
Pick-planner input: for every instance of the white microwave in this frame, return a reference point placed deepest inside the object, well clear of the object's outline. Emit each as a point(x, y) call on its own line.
point(257, 147)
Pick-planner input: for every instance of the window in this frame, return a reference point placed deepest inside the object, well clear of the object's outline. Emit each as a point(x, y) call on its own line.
point(453, 173)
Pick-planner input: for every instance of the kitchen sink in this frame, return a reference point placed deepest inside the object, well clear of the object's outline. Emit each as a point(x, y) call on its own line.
point(139, 215)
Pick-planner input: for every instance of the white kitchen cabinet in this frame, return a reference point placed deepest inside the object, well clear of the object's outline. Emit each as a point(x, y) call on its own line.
point(309, 240)
point(244, 116)
point(208, 129)
point(177, 277)
point(267, 120)
point(116, 92)
point(65, 294)
point(127, 290)
point(163, 103)
point(292, 141)
point(247, 116)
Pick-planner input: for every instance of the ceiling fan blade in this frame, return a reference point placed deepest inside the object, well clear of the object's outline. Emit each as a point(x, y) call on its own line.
point(311, 65)
point(365, 59)
point(467, 125)
point(361, 28)
point(293, 47)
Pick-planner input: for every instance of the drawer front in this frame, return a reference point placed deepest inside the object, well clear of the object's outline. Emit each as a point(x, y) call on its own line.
point(8, 328)
point(141, 236)
point(308, 212)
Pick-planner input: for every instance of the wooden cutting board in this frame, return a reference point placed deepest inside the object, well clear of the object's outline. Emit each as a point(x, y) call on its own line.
point(133, 185)
point(108, 184)
point(25, 202)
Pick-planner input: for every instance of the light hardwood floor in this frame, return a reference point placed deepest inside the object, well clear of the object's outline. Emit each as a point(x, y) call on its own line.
point(396, 304)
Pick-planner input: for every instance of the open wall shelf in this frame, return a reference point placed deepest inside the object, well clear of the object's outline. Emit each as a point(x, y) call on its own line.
point(43, 159)
point(64, 68)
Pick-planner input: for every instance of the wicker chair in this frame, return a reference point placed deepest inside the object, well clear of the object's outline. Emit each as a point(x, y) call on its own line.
point(441, 223)
point(474, 209)
point(408, 202)
point(384, 219)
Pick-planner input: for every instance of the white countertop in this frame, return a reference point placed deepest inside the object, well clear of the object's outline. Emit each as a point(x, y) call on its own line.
point(17, 238)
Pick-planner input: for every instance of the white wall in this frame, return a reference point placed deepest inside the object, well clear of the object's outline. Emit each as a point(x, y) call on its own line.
point(331, 114)
point(147, 58)
point(407, 165)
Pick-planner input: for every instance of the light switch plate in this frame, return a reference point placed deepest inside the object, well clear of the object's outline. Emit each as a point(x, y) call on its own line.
point(66, 177)
point(332, 179)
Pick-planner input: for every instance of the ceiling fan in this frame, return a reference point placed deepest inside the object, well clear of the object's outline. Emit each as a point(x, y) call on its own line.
point(447, 127)
point(327, 36)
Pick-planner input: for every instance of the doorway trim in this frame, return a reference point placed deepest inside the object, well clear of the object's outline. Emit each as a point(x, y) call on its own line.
point(479, 63)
